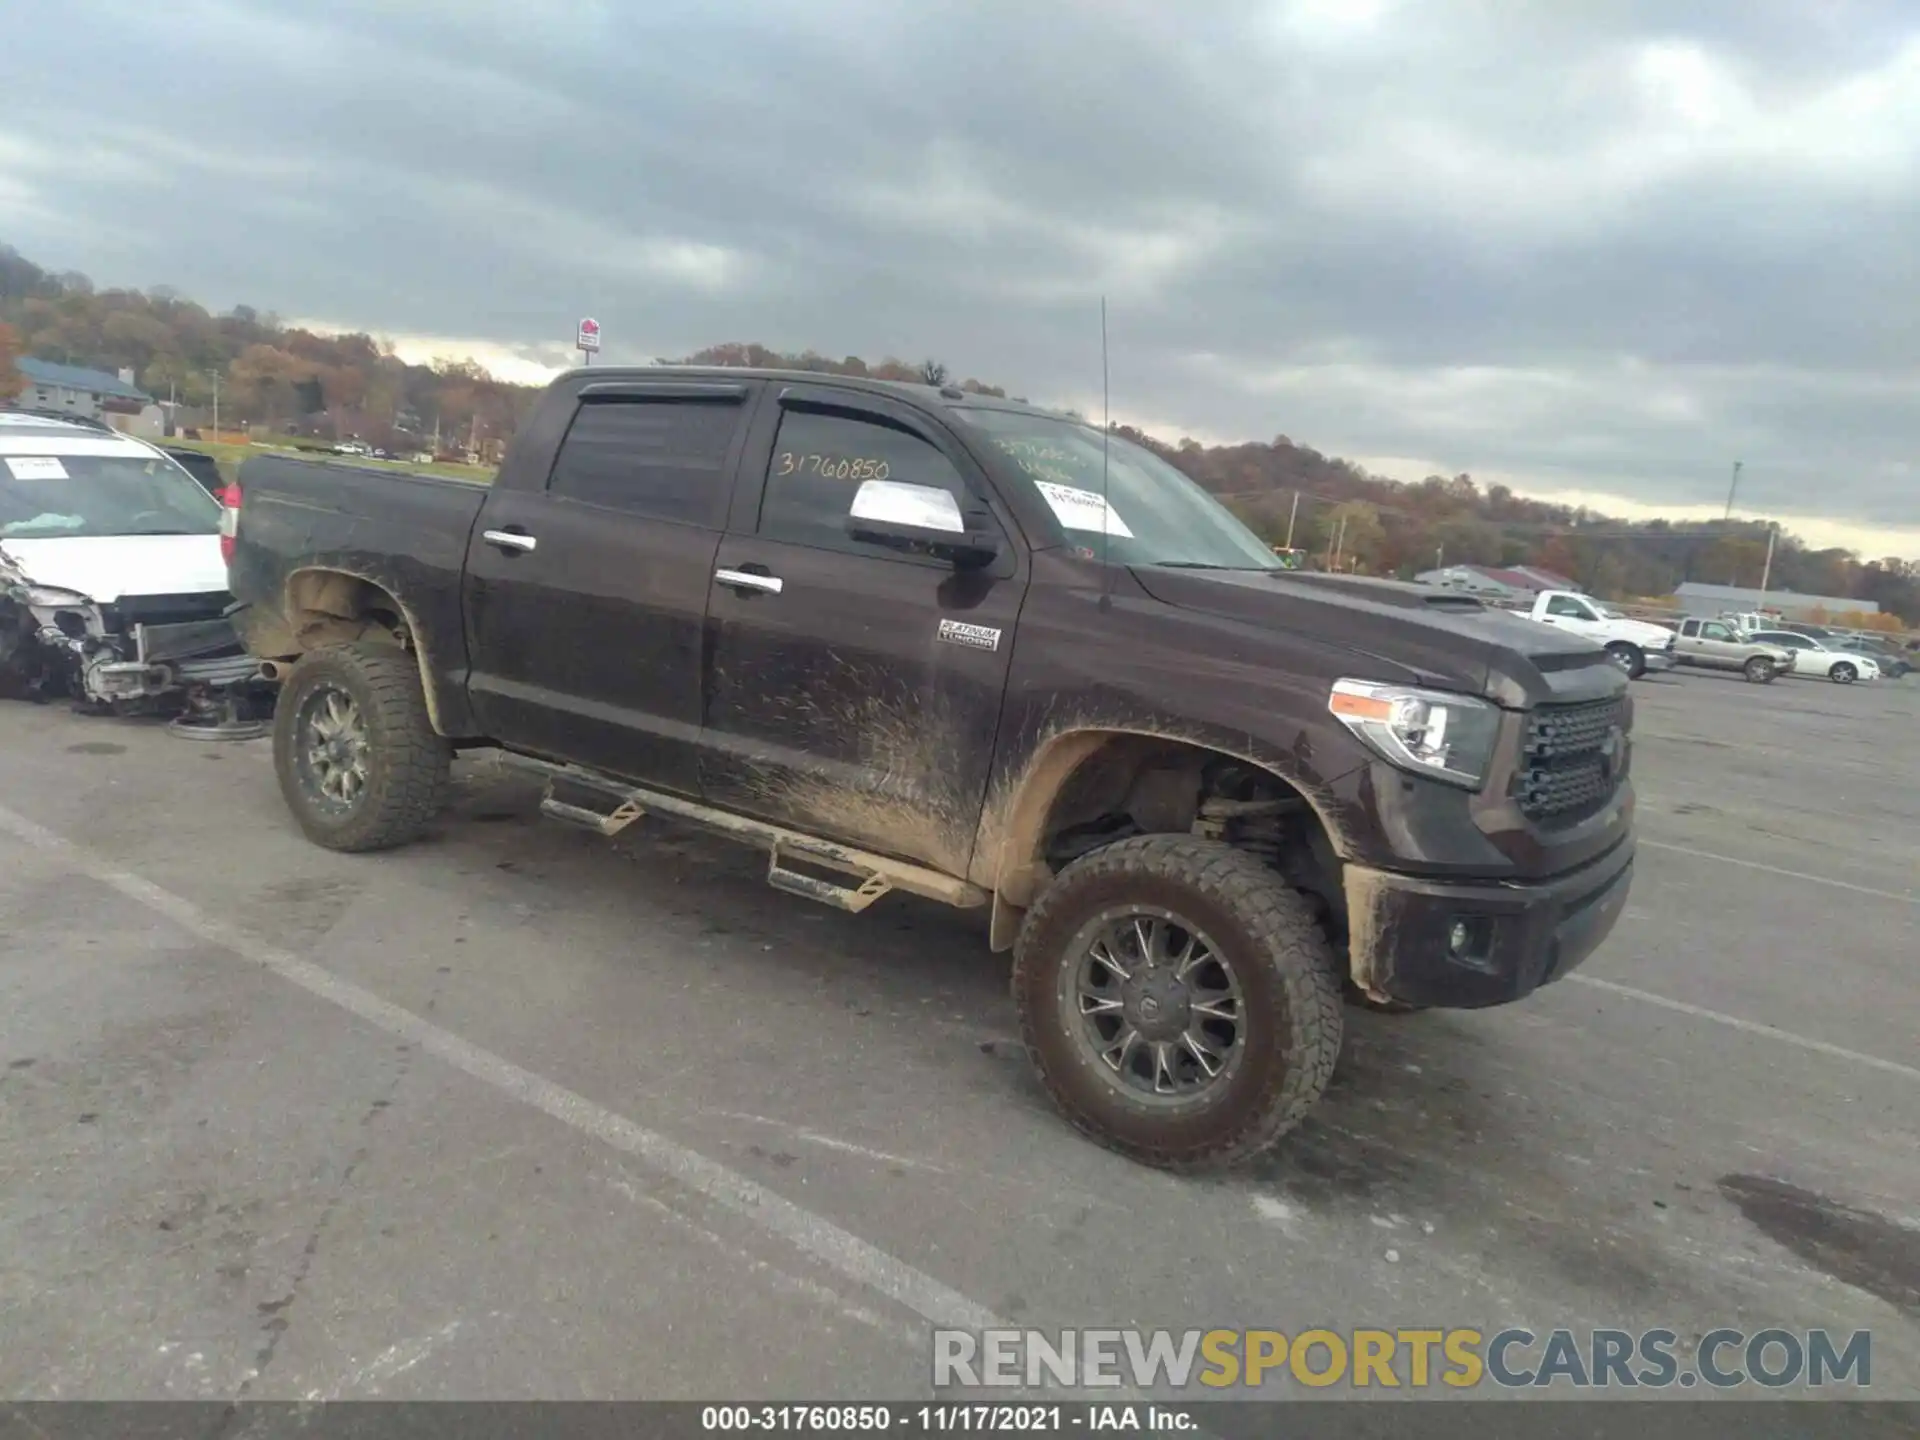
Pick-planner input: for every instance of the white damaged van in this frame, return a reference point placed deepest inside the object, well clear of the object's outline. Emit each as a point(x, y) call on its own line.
point(113, 587)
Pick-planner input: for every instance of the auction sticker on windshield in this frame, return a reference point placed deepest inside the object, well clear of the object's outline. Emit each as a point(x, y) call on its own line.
point(1082, 509)
point(36, 467)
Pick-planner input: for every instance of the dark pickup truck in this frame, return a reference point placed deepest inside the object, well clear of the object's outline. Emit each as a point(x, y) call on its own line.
point(907, 638)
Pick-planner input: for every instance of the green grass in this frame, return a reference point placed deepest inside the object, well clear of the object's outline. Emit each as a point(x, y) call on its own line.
point(231, 457)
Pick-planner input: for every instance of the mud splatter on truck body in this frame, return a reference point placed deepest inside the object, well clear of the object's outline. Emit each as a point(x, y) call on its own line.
point(851, 622)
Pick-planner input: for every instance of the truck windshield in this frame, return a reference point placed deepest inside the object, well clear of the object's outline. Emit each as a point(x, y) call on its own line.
point(48, 497)
point(1151, 513)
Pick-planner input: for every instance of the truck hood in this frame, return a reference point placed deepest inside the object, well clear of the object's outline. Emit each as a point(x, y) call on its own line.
point(109, 568)
point(1435, 637)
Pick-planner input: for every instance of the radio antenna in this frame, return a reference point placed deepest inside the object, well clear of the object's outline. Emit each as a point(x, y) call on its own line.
point(1106, 429)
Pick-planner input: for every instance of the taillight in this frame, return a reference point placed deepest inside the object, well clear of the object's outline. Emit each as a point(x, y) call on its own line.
point(229, 519)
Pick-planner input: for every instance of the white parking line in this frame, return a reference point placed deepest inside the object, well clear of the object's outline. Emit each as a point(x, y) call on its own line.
point(1909, 898)
point(1751, 1027)
point(839, 1250)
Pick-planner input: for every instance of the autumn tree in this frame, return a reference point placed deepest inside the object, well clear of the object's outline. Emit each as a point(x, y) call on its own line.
point(273, 375)
point(10, 377)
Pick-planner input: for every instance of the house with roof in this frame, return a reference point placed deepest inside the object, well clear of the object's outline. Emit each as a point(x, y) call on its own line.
point(75, 390)
point(1492, 582)
point(83, 394)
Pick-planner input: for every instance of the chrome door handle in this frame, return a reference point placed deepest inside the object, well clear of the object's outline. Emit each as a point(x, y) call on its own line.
point(746, 580)
point(508, 540)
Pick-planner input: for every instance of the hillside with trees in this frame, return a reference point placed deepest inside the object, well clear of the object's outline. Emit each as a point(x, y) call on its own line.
point(282, 379)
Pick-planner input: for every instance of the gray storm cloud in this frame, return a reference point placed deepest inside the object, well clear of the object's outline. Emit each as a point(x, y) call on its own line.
point(1597, 245)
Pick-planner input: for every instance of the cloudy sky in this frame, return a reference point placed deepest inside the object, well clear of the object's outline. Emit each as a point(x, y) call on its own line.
point(1592, 249)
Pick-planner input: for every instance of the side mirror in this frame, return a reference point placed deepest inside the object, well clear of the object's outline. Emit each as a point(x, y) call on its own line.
point(919, 520)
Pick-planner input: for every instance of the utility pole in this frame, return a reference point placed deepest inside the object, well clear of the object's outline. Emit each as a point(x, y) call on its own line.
point(1440, 557)
point(1730, 489)
point(1292, 515)
point(1333, 545)
point(216, 404)
point(1766, 570)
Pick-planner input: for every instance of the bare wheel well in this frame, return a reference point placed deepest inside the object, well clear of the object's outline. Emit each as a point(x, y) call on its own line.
point(1146, 785)
point(327, 607)
point(332, 607)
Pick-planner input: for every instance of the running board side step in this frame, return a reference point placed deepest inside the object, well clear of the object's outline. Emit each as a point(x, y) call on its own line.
point(873, 875)
point(603, 822)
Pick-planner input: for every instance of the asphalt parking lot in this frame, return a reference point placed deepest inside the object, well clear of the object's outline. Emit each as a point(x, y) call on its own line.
point(519, 1112)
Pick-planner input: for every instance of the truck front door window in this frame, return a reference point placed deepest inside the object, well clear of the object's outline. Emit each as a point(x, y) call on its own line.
point(663, 458)
point(1570, 608)
point(818, 464)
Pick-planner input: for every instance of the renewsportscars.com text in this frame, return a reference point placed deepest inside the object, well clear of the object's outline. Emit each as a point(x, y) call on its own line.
point(1403, 1358)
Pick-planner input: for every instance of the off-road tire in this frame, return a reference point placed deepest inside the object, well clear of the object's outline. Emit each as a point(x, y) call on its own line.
point(1630, 657)
point(1843, 674)
point(409, 764)
point(1760, 670)
point(1285, 966)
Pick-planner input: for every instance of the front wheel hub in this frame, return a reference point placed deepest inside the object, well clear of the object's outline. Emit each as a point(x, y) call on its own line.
point(1160, 1011)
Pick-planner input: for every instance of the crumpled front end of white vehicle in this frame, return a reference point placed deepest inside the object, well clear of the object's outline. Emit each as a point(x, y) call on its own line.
point(55, 641)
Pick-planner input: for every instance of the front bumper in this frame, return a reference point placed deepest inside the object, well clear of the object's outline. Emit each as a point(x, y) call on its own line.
point(1660, 660)
point(1523, 934)
point(104, 666)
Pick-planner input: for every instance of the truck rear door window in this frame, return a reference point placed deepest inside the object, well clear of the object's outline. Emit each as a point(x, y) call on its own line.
point(665, 459)
point(818, 463)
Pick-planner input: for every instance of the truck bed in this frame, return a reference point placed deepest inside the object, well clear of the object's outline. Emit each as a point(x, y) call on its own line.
point(402, 530)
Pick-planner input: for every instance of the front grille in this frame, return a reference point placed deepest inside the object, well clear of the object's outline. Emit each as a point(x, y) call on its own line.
point(1573, 759)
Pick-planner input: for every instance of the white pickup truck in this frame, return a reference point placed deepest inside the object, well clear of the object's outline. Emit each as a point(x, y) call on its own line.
point(1636, 645)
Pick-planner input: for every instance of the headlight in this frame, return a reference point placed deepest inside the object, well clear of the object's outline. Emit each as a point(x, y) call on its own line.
point(1428, 732)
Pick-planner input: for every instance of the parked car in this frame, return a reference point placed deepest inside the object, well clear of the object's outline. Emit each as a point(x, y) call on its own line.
point(1636, 646)
point(1821, 657)
point(113, 591)
point(64, 417)
point(1717, 645)
point(916, 639)
point(202, 466)
point(1891, 659)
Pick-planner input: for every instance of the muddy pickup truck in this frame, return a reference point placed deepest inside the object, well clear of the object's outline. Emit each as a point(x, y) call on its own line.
point(912, 639)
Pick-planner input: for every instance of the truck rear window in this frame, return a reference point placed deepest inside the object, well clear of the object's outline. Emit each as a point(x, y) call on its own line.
point(660, 458)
